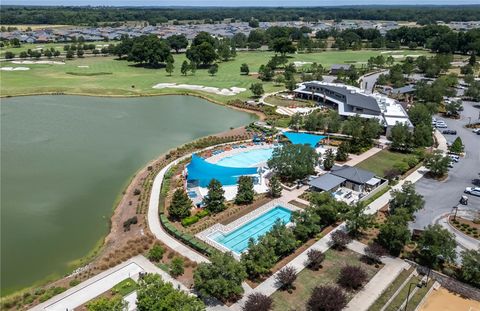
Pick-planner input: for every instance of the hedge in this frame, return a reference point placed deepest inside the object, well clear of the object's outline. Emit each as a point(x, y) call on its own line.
point(188, 221)
point(186, 238)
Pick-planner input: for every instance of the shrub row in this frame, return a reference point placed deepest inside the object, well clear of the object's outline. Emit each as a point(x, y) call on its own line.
point(185, 238)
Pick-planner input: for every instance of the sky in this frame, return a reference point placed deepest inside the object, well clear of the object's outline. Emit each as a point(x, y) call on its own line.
point(236, 3)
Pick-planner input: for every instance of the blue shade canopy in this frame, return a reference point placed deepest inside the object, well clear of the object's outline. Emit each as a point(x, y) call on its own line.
point(303, 138)
point(202, 172)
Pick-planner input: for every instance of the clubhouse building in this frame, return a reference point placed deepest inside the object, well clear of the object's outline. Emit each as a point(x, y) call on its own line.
point(351, 101)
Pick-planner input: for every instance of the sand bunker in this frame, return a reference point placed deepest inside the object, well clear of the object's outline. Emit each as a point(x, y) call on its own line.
point(300, 64)
point(43, 62)
point(215, 90)
point(14, 68)
point(83, 66)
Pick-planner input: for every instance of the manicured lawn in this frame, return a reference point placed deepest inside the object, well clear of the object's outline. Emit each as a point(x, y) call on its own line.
point(38, 46)
point(307, 280)
point(125, 287)
point(382, 161)
point(126, 79)
point(388, 293)
point(414, 299)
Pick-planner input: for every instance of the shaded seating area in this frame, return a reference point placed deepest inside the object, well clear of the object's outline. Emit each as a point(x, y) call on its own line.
point(304, 138)
point(201, 172)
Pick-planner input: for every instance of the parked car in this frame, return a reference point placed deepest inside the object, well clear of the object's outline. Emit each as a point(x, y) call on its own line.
point(441, 125)
point(476, 130)
point(449, 132)
point(454, 158)
point(476, 182)
point(473, 191)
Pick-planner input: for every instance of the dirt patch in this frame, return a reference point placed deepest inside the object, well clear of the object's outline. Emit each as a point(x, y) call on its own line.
point(444, 300)
point(369, 235)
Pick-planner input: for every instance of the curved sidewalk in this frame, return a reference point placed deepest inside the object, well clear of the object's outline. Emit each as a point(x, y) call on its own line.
point(153, 218)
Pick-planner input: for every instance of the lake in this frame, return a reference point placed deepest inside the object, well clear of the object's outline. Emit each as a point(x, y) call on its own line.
point(65, 160)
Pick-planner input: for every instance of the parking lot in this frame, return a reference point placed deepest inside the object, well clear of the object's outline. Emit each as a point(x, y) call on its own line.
point(441, 196)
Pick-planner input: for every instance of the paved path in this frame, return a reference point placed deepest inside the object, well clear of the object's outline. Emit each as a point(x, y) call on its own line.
point(386, 197)
point(464, 241)
point(378, 284)
point(91, 288)
point(154, 219)
point(355, 159)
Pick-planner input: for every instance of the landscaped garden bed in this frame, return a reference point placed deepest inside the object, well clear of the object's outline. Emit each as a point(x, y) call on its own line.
point(466, 226)
point(328, 274)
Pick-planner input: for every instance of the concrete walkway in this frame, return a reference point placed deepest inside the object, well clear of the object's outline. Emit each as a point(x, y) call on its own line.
point(95, 286)
point(154, 219)
point(463, 240)
point(378, 284)
point(383, 200)
point(442, 142)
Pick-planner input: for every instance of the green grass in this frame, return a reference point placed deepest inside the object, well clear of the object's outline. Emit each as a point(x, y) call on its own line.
point(307, 280)
point(382, 161)
point(37, 46)
point(388, 293)
point(402, 295)
point(125, 287)
point(127, 79)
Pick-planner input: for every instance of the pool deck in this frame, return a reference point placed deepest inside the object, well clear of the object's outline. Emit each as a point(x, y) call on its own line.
point(225, 229)
point(217, 157)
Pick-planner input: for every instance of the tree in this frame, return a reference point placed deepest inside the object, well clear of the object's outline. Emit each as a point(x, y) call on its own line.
point(70, 54)
point(293, 162)
point(328, 160)
point(9, 55)
point(327, 298)
point(401, 137)
point(394, 234)
point(115, 303)
point(177, 42)
point(253, 23)
point(257, 89)
point(259, 259)
point(23, 54)
point(291, 84)
point(203, 53)
point(265, 73)
point(436, 245)
point(315, 259)
point(245, 193)
point(184, 68)
point(155, 294)
point(156, 253)
point(407, 198)
point(177, 266)
point(258, 302)
point(180, 206)
point(224, 50)
point(356, 219)
point(274, 187)
point(281, 239)
point(286, 277)
point(150, 50)
point(457, 146)
point(192, 67)
point(374, 252)
point(307, 224)
point(244, 69)
point(221, 278)
point(352, 277)
point(214, 202)
point(470, 270)
point(48, 53)
point(342, 152)
point(437, 163)
point(340, 239)
point(213, 69)
point(283, 46)
point(169, 68)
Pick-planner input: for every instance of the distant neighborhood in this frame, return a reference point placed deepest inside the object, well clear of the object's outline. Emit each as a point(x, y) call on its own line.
point(227, 30)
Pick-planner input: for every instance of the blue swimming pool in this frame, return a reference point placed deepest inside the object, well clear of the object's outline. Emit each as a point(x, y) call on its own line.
point(237, 240)
point(247, 158)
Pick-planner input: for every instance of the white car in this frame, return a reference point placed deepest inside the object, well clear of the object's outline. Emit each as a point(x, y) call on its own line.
point(473, 191)
point(441, 125)
point(476, 130)
point(454, 157)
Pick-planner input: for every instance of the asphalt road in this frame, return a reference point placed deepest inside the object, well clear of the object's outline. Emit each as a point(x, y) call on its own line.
point(440, 197)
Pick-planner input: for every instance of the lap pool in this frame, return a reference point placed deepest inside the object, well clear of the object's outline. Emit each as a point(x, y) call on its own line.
point(237, 240)
point(247, 158)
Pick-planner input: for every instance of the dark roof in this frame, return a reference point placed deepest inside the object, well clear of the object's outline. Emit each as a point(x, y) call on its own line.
point(353, 98)
point(326, 182)
point(404, 89)
point(340, 66)
point(353, 174)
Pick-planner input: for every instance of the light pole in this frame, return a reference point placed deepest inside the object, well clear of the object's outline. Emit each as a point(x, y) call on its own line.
point(456, 210)
point(408, 294)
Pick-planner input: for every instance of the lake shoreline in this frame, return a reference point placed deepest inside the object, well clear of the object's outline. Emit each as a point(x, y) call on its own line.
point(104, 243)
